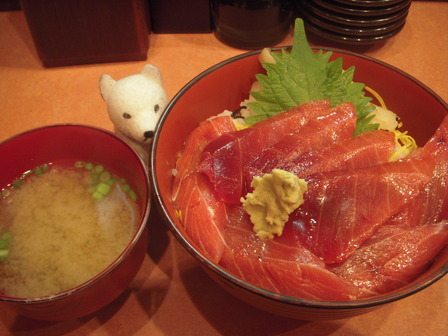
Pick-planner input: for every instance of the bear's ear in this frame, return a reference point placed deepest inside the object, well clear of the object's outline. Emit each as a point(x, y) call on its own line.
point(106, 83)
point(152, 72)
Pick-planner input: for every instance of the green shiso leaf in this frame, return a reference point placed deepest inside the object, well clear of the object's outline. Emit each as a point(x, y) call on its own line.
point(301, 76)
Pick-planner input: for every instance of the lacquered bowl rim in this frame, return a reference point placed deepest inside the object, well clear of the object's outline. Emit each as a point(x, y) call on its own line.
point(220, 271)
point(138, 234)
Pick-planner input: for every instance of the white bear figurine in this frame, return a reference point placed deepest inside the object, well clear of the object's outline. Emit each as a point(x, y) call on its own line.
point(135, 104)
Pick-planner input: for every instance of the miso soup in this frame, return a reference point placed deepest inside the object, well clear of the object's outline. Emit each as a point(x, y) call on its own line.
point(61, 234)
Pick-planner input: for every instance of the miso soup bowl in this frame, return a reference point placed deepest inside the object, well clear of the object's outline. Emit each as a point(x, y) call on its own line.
point(59, 143)
point(224, 86)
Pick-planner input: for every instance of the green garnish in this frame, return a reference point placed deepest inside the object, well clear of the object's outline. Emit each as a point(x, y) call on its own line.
point(94, 182)
point(133, 195)
point(5, 192)
point(4, 255)
point(105, 176)
point(103, 188)
point(97, 195)
point(5, 241)
point(6, 238)
point(89, 166)
point(41, 169)
point(111, 181)
point(301, 76)
point(98, 169)
point(17, 183)
point(102, 181)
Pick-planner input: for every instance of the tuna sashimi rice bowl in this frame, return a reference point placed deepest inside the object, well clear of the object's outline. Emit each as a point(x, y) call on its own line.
point(310, 183)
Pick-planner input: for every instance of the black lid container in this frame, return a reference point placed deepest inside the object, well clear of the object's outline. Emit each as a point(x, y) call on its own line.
point(251, 24)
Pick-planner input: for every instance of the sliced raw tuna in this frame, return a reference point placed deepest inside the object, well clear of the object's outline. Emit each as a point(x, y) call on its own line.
point(207, 131)
point(366, 150)
point(223, 159)
point(341, 222)
point(202, 216)
point(338, 125)
point(286, 269)
point(431, 205)
point(342, 209)
point(393, 257)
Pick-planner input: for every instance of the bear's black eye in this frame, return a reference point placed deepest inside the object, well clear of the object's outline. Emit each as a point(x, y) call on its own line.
point(126, 115)
point(156, 107)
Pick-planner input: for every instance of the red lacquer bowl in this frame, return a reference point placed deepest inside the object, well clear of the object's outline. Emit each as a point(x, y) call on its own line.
point(59, 143)
point(224, 86)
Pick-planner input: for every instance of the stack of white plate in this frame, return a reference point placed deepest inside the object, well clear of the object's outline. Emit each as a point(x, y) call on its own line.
point(354, 21)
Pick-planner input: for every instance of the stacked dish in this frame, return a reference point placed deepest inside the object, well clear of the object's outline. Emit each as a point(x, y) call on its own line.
point(354, 21)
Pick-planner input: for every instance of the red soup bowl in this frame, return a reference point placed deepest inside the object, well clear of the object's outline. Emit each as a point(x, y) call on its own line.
point(61, 144)
point(223, 87)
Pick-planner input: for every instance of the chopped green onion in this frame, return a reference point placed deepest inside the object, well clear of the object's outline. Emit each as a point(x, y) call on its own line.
point(98, 169)
point(103, 180)
point(38, 171)
point(7, 236)
point(97, 195)
point(17, 183)
point(103, 188)
point(5, 241)
point(105, 176)
point(133, 195)
point(4, 253)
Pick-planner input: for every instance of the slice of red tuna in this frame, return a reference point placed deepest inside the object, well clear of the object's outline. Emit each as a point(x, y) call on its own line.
point(207, 131)
point(342, 209)
point(393, 257)
point(288, 269)
point(223, 159)
point(202, 216)
point(431, 205)
point(336, 126)
point(366, 150)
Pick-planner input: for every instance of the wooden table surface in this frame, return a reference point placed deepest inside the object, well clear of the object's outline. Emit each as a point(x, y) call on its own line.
point(171, 295)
